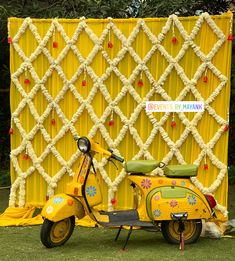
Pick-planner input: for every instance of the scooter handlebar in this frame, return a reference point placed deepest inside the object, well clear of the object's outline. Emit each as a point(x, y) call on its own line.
point(117, 158)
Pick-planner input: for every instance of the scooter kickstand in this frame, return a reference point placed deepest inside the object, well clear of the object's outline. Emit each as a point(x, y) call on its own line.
point(128, 237)
point(118, 233)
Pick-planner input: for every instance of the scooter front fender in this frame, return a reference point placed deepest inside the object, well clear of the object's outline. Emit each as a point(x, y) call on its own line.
point(62, 206)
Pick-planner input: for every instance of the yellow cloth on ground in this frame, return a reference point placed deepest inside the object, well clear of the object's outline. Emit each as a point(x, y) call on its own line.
point(24, 217)
point(20, 217)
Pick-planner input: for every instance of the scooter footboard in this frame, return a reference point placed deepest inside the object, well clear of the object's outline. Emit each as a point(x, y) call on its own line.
point(62, 206)
point(163, 202)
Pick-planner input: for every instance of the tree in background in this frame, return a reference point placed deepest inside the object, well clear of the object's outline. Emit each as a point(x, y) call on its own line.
point(93, 9)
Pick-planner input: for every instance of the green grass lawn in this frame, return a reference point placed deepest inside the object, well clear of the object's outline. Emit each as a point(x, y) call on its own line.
point(23, 243)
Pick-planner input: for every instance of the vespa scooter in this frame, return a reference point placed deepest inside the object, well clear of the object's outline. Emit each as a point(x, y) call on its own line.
point(171, 203)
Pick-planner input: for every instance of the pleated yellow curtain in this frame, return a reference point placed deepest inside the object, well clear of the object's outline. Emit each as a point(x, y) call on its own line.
point(92, 77)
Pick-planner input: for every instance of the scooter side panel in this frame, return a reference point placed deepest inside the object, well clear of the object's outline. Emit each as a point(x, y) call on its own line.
point(62, 206)
point(147, 184)
point(164, 201)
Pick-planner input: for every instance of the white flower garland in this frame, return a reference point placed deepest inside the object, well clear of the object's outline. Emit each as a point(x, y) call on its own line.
point(190, 127)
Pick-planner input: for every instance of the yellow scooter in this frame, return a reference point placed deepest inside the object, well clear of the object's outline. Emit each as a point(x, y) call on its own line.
point(171, 203)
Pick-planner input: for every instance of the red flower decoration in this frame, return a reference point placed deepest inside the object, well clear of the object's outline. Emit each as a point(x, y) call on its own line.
point(226, 127)
point(11, 131)
point(173, 124)
point(174, 40)
point(173, 182)
point(27, 81)
point(111, 122)
point(9, 40)
point(140, 83)
point(53, 122)
point(113, 201)
point(205, 78)
point(205, 166)
point(230, 37)
point(110, 45)
point(26, 156)
point(83, 82)
point(55, 44)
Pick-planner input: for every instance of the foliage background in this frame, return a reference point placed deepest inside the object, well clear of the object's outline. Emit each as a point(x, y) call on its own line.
point(97, 9)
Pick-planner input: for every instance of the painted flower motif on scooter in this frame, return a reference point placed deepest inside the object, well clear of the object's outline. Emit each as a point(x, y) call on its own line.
point(146, 183)
point(183, 184)
point(157, 213)
point(91, 191)
point(157, 197)
point(58, 200)
point(192, 200)
point(173, 203)
point(49, 209)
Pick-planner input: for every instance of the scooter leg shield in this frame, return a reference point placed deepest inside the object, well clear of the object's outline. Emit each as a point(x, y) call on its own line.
point(62, 206)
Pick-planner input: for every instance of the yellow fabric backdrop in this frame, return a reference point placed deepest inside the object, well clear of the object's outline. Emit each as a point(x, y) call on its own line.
point(77, 45)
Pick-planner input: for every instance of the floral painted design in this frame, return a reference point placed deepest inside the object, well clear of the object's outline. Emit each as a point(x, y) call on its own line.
point(146, 183)
point(157, 213)
point(91, 191)
point(173, 182)
point(160, 181)
point(192, 200)
point(57, 200)
point(183, 184)
point(157, 197)
point(173, 203)
point(49, 209)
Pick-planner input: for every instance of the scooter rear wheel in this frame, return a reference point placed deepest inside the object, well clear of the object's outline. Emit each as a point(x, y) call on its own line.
point(55, 234)
point(192, 232)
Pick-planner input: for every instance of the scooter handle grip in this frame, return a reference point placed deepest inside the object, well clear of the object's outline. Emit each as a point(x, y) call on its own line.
point(117, 158)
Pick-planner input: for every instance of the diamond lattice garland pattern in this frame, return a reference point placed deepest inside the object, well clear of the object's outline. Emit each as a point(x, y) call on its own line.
point(69, 50)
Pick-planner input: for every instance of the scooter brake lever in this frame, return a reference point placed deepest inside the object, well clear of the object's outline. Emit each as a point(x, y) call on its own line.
point(113, 163)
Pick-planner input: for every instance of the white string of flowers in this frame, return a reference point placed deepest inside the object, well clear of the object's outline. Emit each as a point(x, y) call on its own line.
point(128, 124)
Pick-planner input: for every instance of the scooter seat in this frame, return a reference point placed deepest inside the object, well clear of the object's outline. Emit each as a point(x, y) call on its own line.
point(189, 170)
point(141, 166)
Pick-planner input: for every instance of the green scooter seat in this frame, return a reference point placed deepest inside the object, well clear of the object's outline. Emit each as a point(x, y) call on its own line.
point(141, 166)
point(189, 170)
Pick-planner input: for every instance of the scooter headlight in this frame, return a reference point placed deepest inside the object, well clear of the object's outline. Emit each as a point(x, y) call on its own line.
point(84, 144)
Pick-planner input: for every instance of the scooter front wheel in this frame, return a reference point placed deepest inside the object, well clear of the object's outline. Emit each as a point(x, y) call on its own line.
point(55, 234)
point(192, 231)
